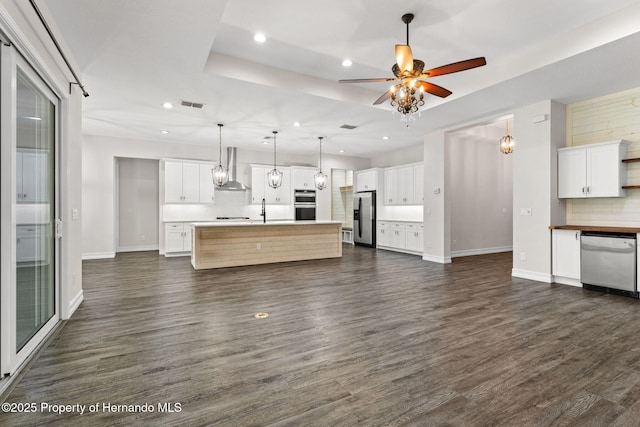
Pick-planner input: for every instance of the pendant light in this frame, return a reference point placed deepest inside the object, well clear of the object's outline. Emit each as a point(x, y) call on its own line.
point(275, 176)
point(219, 173)
point(506, 142)
point(320, 178)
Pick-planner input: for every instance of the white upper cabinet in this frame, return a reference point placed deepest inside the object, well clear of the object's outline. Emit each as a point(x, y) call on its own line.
point(403, 185)
point(391, 178)
point(31, 180)
point(258, 182)
point(302, 178)
point(418, 184)
point(594, 170)
point(260, 188)
point(207, 187)
point(366, 180)
point(181, 182)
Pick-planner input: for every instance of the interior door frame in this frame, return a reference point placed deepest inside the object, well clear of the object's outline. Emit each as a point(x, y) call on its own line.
point(11, 60)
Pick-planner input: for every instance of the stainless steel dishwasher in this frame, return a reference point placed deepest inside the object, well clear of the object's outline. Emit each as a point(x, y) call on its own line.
point(608, 260)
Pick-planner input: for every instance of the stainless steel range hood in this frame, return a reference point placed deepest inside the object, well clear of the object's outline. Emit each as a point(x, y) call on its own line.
point(232, 184)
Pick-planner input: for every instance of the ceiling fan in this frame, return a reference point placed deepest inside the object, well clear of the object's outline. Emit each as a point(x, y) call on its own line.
point(409, 71)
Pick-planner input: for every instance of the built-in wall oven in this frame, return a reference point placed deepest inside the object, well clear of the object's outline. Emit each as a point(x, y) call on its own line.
point(305, 205)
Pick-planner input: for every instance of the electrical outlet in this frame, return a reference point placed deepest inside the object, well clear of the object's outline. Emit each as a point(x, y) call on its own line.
point(523, 256)
point(258, 245)
point(504, 210)
point(428, 244)
point(143, 238)
point(525, 211)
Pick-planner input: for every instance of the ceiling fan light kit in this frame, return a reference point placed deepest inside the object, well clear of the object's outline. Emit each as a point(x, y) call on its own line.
point(407, 96)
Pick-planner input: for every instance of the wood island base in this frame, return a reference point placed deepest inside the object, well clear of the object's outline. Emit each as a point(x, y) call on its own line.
point(218, 245)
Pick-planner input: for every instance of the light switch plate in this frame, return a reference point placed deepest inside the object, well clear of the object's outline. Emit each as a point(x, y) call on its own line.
point(525, 211)
point(74, 213)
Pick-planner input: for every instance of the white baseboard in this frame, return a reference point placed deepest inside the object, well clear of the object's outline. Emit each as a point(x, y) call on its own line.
point(482, 251)
point(75, 302)
point(567, 281)
point(175, 254)
point(404, 251)
point(532, 275)
point(98, 255)
point(438, 259)
point(138, 248)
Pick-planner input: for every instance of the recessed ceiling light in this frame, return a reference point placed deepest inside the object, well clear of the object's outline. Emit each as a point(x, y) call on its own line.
point(385, 137)
point(167, 105)
point(260, 38)
point(33, 118)
point(342, 151)
point(164, 131)
point(347, 63)
point(296, 124)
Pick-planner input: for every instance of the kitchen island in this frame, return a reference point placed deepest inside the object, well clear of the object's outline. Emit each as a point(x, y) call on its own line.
point(232, 244)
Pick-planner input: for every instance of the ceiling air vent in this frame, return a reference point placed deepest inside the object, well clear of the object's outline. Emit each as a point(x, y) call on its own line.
point(348, 127)
point(191, 104)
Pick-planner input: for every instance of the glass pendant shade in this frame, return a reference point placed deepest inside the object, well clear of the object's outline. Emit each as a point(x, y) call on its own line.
point(274, 177)
point(220, 176)
point(507, 142)
point(320, 179)
point(219, 173)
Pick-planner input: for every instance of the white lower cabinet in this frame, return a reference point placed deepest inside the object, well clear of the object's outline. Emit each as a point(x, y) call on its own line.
point(31, 243)
point(414, 233)
point(400, 236)
point(565, 247)
point(177, 238)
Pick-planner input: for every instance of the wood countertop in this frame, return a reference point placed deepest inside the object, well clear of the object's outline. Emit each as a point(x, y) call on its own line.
point(596, 228)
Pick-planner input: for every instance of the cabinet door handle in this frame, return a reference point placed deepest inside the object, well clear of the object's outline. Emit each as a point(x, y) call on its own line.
point(577, 233)
point(588, 189)
point(583, 188)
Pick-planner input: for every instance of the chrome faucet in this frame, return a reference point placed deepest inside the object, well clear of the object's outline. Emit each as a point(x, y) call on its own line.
point(264, 211)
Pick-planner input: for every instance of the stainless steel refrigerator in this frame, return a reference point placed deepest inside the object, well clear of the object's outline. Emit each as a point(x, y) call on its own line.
point(364, 218)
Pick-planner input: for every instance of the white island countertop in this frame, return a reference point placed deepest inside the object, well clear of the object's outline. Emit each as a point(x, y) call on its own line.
point(253, 223)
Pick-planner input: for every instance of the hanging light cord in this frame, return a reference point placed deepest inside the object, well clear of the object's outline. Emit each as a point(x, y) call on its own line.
point(320, 161)
point(220, 140)
point(274, 148)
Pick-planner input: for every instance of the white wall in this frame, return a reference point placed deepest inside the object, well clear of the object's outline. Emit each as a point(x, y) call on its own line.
point(400, 156)
point(137, 204)
point(436, 213)
point(481, 189)
point(25, 31)
point(98, 179)
point(535, 186)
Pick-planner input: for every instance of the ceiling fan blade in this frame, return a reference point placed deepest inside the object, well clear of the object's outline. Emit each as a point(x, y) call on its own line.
point(381, 79)
point(383, 98)
point(404, 57)
point(433, 89)
point(455, 67)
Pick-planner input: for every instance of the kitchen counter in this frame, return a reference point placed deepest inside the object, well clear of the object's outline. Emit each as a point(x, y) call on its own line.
point(231, 244)
point(596, 228)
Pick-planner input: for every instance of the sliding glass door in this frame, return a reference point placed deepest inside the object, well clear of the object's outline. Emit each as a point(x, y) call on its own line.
point(29, 263)
point(35, 209)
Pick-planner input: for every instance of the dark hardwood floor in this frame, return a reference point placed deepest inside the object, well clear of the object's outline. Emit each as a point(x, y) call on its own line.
point(375, 338)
